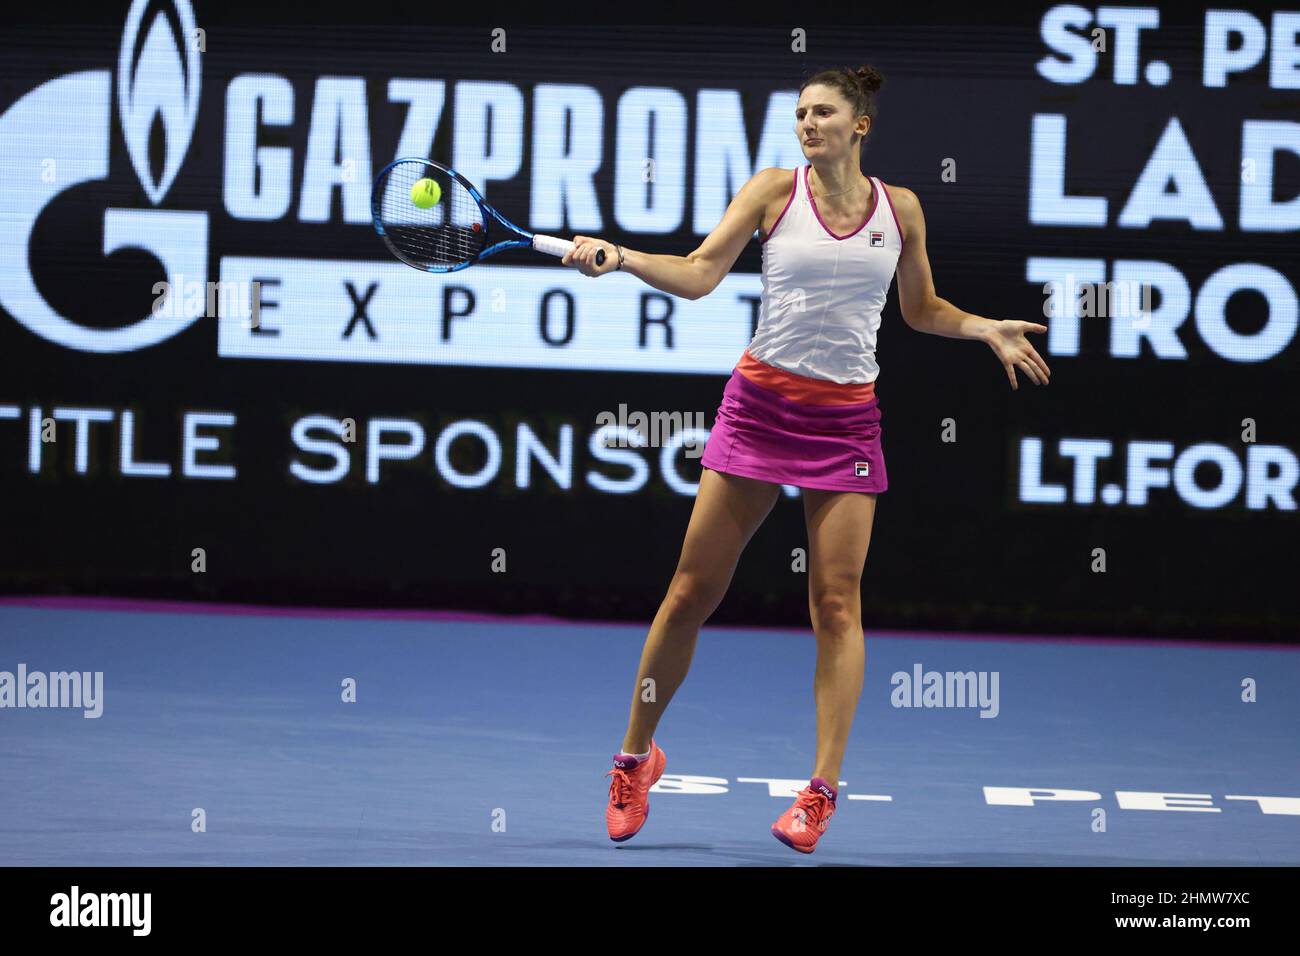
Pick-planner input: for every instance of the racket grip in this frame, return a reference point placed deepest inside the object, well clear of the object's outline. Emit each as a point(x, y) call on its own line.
point(554, 246)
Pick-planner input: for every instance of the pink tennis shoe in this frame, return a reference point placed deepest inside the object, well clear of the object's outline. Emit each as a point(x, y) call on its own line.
point(802, 825)
point(629, 792)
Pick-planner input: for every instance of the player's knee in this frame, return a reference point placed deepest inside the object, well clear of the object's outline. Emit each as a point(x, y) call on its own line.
point(836, 612)
point(691, 600)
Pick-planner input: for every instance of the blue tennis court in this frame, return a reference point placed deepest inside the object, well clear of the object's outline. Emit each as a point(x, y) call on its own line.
point(485, 742)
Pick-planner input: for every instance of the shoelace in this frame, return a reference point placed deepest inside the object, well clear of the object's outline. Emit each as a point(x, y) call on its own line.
point(620, 788)
point(814, 806)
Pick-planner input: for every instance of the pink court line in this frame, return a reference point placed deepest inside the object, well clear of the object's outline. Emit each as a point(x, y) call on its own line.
point(151, 606)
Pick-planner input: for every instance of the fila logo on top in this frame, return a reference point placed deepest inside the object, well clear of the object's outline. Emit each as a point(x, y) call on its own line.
point(877, 238)
point(861, 469)
point(57, 137)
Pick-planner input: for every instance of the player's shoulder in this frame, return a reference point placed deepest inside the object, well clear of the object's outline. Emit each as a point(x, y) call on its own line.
point(774, 180)
point(906, 207)
point(901, 196)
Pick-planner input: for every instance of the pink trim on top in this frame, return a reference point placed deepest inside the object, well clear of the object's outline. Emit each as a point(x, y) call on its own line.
point(794, 185)
point(875, 201)
point(897, 224)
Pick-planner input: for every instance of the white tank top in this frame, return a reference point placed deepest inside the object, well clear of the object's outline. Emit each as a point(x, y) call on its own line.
point(822, 293)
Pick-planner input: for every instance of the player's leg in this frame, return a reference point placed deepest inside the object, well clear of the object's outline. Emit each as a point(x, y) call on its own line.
point(728, 510)
point(839, 532)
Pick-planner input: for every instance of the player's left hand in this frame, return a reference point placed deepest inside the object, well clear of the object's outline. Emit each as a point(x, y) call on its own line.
point(584, 252)
point(1013, 350)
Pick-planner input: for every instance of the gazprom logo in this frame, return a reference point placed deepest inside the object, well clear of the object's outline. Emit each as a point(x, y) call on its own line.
point(158, 79)
point(57, 137)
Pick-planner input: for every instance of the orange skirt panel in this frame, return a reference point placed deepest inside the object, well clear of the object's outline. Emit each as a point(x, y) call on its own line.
point(801, 388)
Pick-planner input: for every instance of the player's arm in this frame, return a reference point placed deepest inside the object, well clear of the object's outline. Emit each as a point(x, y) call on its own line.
point(924, 311)
point(697, 274)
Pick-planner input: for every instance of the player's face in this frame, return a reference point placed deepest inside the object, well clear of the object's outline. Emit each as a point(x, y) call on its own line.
point(824, 122)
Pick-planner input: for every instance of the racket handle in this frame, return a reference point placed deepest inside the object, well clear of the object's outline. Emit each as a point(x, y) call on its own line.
point(554, 246)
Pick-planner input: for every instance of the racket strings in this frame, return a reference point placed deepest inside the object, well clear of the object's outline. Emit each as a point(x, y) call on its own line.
point(449, 233)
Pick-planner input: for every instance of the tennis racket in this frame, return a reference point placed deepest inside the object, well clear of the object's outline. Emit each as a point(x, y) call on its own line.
point(460, 229)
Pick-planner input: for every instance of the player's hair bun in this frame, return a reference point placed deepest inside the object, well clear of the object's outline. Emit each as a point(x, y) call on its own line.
point(858, 87)
point(870, 78)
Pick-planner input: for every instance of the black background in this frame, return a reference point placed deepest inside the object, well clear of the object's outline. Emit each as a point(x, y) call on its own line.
point(951, 549)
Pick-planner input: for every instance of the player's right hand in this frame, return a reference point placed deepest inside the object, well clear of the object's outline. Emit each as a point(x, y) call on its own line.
point(583, 256)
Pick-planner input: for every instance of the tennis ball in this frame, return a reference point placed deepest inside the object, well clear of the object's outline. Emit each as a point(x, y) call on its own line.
point(426, 193)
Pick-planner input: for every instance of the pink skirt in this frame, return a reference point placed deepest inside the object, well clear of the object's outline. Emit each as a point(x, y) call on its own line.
point(762, 434)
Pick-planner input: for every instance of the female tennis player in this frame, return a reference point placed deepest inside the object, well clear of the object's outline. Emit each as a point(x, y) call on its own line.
point(800, 408)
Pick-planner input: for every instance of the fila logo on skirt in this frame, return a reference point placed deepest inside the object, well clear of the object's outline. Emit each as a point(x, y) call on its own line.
point(877, 238)
point(861, 469)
